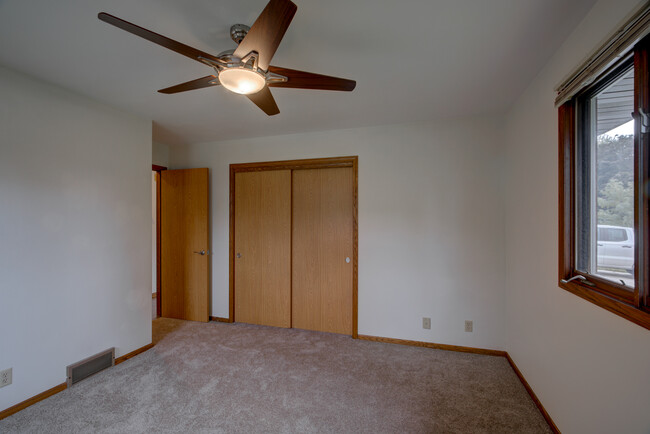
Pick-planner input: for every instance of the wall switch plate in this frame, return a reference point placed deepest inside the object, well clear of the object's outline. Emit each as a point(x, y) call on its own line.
point(5, 377)
point(469, 326)
point(426, 323)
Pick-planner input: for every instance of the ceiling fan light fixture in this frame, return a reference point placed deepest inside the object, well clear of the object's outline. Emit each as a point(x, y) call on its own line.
point(242, 80)
point(246, 69)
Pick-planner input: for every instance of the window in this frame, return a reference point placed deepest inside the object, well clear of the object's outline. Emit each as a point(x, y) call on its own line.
point(604, 143)
point(617, 235)
point(605, 177)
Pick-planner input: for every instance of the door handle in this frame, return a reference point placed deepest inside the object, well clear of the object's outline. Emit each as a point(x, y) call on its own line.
point(238, 255)
point(627, 247)
point(202, 252)
point(600, 245)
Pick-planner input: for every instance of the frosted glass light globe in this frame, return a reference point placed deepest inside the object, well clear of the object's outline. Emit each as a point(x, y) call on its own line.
point(242, 81)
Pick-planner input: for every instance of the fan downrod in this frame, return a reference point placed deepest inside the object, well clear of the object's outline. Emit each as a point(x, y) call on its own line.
point(238, 32)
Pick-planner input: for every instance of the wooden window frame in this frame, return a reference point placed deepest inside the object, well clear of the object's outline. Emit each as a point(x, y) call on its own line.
point(631, 305)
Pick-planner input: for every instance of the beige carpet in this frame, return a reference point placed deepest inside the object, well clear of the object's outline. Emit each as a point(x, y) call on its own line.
point(215, 377)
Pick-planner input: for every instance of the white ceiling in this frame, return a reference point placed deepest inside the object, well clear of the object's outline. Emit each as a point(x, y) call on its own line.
point(412, 59)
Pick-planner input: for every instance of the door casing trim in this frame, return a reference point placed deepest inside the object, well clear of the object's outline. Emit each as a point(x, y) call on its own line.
point(158, 169)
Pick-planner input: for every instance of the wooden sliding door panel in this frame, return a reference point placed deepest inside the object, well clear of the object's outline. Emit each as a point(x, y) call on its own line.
point(306, 252)
point(322, 263)
point(263, 248)
point(337, 245)
point(184, 231)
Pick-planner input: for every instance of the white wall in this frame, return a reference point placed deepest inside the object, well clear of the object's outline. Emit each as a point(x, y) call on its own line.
point(430, 222)
point(589, 367)
point(159, 154)
point(75, 246)
point(159, 157)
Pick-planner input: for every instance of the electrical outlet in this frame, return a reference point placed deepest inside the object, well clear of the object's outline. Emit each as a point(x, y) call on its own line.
point(426, 323)
point(469, 326)
point(5, 377)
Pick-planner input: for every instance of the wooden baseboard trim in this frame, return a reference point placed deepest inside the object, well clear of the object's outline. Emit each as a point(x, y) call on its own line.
point(536, 400)
point(473, 350)
point(56, 389)
point(33, 400)
point(132, 354)
point(219, 319)
point(445, 347)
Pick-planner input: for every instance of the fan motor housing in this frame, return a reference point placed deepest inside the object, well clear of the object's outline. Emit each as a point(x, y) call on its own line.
point(238, 32)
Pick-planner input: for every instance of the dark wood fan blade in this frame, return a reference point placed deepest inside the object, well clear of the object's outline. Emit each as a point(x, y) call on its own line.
point(264, 100)
point(267, 31)
point(308, 80)
point(199, 83)
point(161, 40)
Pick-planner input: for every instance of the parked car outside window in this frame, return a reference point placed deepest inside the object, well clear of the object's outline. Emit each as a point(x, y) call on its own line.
point(615, 248)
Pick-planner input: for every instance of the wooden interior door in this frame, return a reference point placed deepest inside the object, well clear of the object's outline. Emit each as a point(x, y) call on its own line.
point(263, 248)
point(184, 243)
point(322, 268)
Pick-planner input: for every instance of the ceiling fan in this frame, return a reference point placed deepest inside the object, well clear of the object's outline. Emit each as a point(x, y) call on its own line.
point(246, 69)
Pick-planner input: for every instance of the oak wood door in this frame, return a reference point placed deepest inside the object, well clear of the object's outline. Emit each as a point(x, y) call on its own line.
point(322, 268)
point(263, 248)
point(184, 243)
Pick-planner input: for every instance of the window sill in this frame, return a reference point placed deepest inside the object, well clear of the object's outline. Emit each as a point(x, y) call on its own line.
point(624, 310)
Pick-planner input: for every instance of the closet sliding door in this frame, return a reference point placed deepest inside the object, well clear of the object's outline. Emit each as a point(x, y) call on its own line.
point(263, 247)
point(322, 249)
point(293, 244)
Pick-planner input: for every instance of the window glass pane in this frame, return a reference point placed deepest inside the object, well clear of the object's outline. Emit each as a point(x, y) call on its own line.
point(611, 234)
point(606, 174)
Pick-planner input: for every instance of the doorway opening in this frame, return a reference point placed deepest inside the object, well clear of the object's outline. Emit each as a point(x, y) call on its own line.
point(155, 244)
